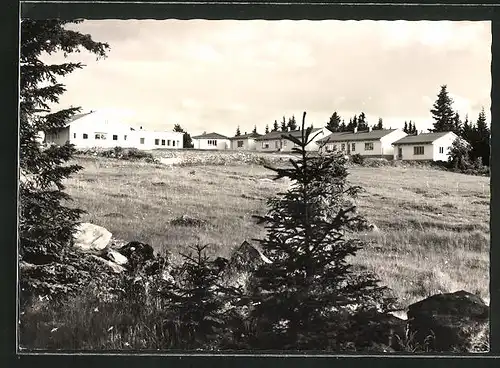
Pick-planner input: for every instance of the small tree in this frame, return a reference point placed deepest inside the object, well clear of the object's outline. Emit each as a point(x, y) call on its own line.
point(284, 126)
point(459, 158)
point(292, 124)
point(406, 128)
point(275, 126)
point(333, 124)
point(238, 133)
point(46, 225)
point(380, 124)
point(187, 142)
point(254, 129)
point(309, 284)
point(267, 128)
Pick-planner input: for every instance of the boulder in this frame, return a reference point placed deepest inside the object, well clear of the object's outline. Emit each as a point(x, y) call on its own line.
point(112, 265)
point(448, 322)
point(247, 257)
point(116, 257)
point(90, 237)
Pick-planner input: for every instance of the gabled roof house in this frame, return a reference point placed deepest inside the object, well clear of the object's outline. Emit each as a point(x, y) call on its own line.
point(211, 141)
point(274, 141)
point(424, 146)
point(369, 143)
point(245, 141)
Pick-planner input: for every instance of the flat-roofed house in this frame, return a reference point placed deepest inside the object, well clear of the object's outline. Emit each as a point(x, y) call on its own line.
point(245, 142)
point(274, 141)
point(370, 143)
point(101, 130)
point(424, 146)
point(211, 141)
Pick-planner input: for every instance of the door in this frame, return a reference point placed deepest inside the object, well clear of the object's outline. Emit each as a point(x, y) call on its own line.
point(400, 153)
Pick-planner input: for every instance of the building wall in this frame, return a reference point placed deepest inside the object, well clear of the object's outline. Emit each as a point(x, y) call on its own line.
point(444, 142)
point(408, 152)
point(249, 144)
point(90, 130)
point(60, 138)
point(358, 148)
point(389, 139)
point(285, 145)
point(221, 144)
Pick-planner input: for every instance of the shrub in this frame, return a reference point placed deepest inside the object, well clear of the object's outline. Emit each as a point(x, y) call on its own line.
point(357, 159)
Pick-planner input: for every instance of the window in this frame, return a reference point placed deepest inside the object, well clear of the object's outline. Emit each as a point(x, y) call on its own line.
point(343, 147)
point(369, 146)
point(157, 142)
point(163, 142)
point(115, 137)
point(100, 136)
point(141, 141)
point(441, 149)
point(124, 137)
point(211, 142)
point(173, 143)
point(277, 144)
point(284, 143)
point(168, 142)
point(418, 150)
point(334, 147)
point(353, 149)
point(74, 135)
point(178, 144)
point(240, 144)
point(265, 145)
point(85, 136)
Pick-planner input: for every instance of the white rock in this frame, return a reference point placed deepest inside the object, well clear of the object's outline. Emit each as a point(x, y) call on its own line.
point(90, 237)
point(170, 160)
point(117, 257)
point(115, 267)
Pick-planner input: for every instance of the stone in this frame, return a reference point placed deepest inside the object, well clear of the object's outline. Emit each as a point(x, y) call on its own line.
point(248, 256)
point(112, 265)
point(116, 257)
point(449, 321)
point(90, 237)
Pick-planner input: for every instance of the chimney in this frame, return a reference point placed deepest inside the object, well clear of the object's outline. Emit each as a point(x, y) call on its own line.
point(355, 130)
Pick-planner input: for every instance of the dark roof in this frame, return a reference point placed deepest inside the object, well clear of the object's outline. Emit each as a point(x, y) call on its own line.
point(210, 136)
point(76, 117)
point(421, 138)
point(245, 136)
point(278, 134)
point(374, 135)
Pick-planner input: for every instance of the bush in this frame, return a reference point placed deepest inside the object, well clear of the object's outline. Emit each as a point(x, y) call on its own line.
point(357, 159)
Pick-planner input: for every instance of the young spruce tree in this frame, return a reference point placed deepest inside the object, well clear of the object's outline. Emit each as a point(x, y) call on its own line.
point(299, 297)
point(46, 224)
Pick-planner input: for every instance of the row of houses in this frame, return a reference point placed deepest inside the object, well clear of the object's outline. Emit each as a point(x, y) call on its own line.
point(384, 143)
point(94, 129)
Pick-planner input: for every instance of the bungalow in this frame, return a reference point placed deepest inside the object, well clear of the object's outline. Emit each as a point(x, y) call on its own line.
point(95, 129)
point(424, 146)
point(370, 143)
point(211, 141)
point(245, 141)
point(274, 141)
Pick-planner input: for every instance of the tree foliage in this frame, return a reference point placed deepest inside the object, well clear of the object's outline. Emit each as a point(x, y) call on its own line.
point(334, 124)
point(46, 224)
point(442, 112)
point(186, 137)
point(309, 282)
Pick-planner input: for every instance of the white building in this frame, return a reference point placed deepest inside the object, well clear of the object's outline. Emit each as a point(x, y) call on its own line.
point(95, 129)
point(211, 141)
point(245, 142)
point(424, 146)
point(274, 141)
point(371, 143)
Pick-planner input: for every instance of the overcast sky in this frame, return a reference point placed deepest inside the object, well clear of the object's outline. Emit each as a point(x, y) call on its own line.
point(214, 75)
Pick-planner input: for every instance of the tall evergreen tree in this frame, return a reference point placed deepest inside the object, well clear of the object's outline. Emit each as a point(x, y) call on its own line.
point(442, 112)
point(284, 127)
point(406, 128)
point(362, 123)
point(275, 126)
point(254, 129)
point(481, 144)
point(350, 127)
point(309, 284)
point(380, 124)
point(267, 128)
point(238, 133)
point(186, 137)
point(457, 124)
point(46, 225)
point(343, 127)
point(292, 124)
point(334, 123)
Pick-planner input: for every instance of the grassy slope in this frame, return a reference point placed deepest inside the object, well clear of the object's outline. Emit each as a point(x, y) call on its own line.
point(434, 224)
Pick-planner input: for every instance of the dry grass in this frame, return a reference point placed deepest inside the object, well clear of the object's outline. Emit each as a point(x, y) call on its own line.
point(434, 225)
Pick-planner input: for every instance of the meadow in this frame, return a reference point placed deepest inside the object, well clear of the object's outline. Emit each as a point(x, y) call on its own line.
point(433, 225)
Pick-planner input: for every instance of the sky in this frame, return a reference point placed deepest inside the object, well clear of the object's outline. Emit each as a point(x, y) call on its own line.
point(212, 76)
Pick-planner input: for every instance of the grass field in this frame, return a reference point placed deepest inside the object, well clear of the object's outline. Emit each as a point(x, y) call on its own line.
point(434, 225)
